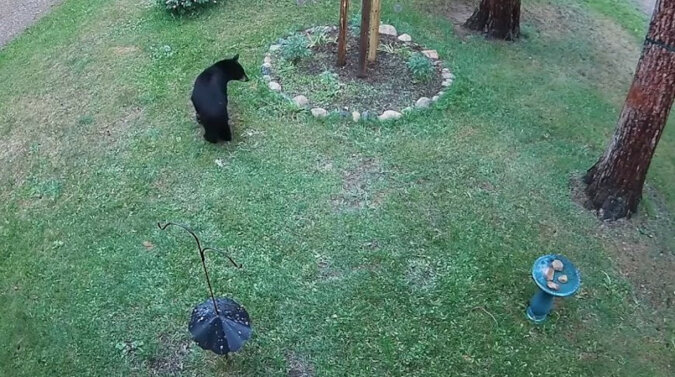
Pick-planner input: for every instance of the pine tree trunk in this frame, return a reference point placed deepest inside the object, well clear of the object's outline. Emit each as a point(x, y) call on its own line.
point(499, 19)
point(615, 182)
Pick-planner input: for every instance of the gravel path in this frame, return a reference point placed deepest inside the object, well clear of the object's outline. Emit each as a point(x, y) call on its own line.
point(17, 15)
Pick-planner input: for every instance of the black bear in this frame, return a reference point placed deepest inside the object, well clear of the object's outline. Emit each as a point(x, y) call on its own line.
point(209, 98)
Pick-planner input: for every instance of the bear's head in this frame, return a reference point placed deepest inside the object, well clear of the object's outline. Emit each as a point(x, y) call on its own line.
point(233, 69)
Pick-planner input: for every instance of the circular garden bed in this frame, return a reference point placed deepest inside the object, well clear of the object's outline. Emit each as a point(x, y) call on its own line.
point(404, 76)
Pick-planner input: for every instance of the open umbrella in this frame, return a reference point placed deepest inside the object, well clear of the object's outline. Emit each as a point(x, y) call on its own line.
point(220, 324)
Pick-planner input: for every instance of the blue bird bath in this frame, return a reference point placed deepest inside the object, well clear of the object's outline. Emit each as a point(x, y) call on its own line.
point(542, 301)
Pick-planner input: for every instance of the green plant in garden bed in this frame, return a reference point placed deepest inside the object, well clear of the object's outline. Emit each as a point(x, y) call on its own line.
point(420, 66)
point(181, 6)
point(389, 48)
point(320, 38)
point(295, 48)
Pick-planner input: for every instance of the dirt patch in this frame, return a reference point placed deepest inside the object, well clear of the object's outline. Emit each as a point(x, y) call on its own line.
point(641, 248)
point(358, 190)
point(643, 251)
point(457, 11)
point(577, 193)
point(389, 85)
point(298, 366)
point(109, 132)
point(124, 50)
point(326, 269)
point(171, 360)
point(421, 275)
point(614, 52)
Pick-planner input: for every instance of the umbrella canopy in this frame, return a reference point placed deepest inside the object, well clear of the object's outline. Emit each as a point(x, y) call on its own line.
point(222, 331)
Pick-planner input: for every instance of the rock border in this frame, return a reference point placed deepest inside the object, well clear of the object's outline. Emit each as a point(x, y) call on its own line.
point(301, 101)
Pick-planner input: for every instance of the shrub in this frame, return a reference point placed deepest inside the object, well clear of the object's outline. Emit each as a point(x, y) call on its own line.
point(295, 48)
point(181, 6)
point(421, 67)
point(318, 38)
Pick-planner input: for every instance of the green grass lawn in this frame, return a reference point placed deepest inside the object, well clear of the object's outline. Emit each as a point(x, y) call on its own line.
point(398, 249)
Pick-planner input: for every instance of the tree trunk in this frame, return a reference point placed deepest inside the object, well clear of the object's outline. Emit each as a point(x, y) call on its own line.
point(342, 33)
point(499, 19)
point(374, 41)
point(363, 41)
point(614, 183)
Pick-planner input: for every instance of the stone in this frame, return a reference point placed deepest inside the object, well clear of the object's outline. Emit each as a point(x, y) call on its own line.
point(389, 115)
point(319, 112)
point(267, 78)
point(365, 115)
point(274, 48)
point(557, 265)
point(562, 279)
point(435, 98)
point(553, 285)
point(440, 94)
point(446, 83)
point(266, 69)
point(431, 54)
point(549, 273)
point(301, 101)
point(274, 86)
point(447, 75)
point(423, 102)
point(404, 38)
point(388, 30)
point(356, 116)
point(268, 60)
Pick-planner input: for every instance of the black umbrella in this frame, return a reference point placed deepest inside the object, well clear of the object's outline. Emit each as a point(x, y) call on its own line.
point(220, 324)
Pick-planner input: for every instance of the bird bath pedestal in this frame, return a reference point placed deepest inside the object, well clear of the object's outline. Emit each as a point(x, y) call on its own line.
point(542, 301)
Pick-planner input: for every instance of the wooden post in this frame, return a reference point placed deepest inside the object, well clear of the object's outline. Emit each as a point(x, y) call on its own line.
point(363, 40)
point(342, 33)
point(374, 31)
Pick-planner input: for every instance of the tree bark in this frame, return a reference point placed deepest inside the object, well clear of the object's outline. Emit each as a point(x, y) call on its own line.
point(615, 182)
point(342, 33)
point(363, 41)
point(374, 41)
point(499, 19)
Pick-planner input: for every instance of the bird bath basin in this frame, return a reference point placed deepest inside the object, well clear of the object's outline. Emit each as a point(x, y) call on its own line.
point(562, 281)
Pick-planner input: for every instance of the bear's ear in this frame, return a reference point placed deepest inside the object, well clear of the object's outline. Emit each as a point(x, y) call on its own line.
point(236, 57)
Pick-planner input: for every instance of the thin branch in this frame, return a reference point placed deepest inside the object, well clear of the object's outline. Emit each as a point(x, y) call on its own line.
point(488, 313)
